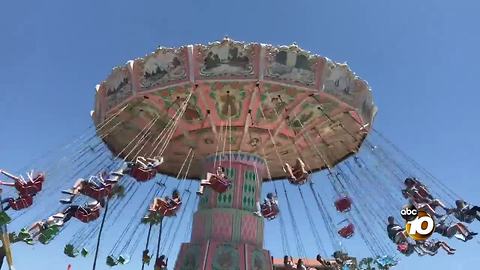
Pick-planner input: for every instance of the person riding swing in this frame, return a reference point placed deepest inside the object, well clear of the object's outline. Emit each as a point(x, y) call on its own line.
point(218, 181)
point(31, 186)
point(142, 169)
point(269, 208)
point(166, 206)
point(465, 212)
point(96, 187)
point(297, 174)
point(161, 263)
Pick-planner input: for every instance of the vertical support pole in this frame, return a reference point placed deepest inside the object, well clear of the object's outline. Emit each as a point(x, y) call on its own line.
point(159, 239)
point(148, 241)
point(6, 239)
point(100, 235)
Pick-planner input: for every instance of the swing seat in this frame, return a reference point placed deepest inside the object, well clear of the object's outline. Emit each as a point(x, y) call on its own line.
point(21, 203)
point(111, 261)
point(142, 174)
point(269, 213)
point(123, 259)
point(84, 252)
point(14, 238)
point(30, 187)
point(47, 235)
point(217, 183)
point(402, 247)
point(70, 251)
point(146, 258)
point(167, 210)
point(343, 204)
point(23, 234)
point(347, 231)
point(87, 217)
point(386, 261)
point(96, 193)
point(159, 264)
point(4, 218)
point(299, 176)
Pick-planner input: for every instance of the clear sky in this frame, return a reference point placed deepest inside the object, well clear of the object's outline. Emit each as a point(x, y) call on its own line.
point(420, 58)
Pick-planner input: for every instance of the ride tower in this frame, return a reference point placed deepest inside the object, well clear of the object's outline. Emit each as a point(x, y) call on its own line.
point(226, 234)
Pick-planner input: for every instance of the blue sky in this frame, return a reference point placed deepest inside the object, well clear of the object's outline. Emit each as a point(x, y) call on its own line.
point(420, 58)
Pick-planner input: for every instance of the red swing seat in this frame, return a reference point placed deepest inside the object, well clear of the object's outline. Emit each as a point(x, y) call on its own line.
point(269, 212)
point(347, 231)
point(84, 217)
point(30, 187)
point(21, 202)
point(343, 204)
point(166, 209)
point(402, 247)
point(96, 193)
point(141, 174)
point(299, 178)
point(217, 183)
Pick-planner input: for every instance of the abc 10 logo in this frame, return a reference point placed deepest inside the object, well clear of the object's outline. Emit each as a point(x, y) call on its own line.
point(419, 225)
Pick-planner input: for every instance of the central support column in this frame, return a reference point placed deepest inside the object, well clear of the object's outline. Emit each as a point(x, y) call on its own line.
point(226, 235)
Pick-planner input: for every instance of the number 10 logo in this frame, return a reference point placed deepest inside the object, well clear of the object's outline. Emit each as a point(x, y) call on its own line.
point(420, 228)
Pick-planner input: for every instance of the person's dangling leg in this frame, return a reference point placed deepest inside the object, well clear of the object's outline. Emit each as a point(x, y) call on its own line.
point(468, 234)
point(258, 212)
point(446, 247)
point(142, 161)
point(288, 169)
point(474, 211)
point(74, 191)
point(69, 212)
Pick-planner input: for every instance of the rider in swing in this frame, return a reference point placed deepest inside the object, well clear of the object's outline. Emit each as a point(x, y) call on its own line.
point(101, 183)
point(171, 204)
point(219, 175)
point(270, 203)
point(147, 164)
point(32, 185)
point(297, 174)
point(465, 212)
point(161, 263)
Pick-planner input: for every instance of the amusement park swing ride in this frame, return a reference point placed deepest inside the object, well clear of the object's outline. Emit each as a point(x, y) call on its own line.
point(237, 117)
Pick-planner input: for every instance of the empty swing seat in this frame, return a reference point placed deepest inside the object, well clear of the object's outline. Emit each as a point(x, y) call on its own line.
point(123, 259)
point(142, 174)
point(21, 203)
point(111, 261)
point(30, 187)
point(87, 216)
point(347, 231)
point(343, 204)
point(70, 251)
